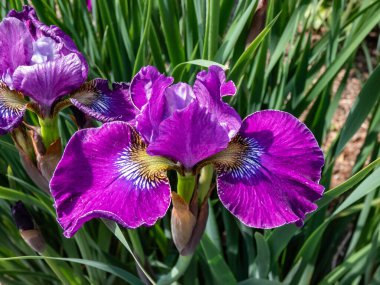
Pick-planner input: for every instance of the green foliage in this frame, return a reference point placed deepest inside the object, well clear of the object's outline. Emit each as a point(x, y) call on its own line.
point(284, 68)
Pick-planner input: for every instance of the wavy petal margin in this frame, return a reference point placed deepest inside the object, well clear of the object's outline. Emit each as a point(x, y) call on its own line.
point(106, 173)
point(46, 82)
point(209, 88)
point(269, 174)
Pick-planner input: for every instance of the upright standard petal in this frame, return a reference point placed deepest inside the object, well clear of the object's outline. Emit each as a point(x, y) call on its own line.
point(177, 97)
point(12, 109)
point(209, 88)
point(148, 82)
point(189, 136)
point(96, 99)
point(15, 45)
point(106, 173)
point(148, 94)
point(269, 174)
point(46, 82)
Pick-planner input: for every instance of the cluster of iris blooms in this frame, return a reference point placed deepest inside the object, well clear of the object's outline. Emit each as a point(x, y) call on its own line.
point(267, 166)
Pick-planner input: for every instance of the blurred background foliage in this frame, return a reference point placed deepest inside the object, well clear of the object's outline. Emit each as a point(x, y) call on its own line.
point(304, 61)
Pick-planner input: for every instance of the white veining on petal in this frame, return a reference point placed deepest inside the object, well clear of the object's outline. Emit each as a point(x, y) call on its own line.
point(133, 171)
point(241, 159)
point(11, 104)
point(143, 170)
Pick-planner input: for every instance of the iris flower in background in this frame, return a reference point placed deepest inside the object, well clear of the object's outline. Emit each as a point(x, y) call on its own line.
point(268, 166)
point(37, 61)
point(44, 64)
point(42, 70)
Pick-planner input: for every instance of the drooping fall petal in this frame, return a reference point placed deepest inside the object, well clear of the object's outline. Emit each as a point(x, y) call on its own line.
point(96, 99)
point(269, 174)
point(12, 109)
point(46, 82)
point(106, 173)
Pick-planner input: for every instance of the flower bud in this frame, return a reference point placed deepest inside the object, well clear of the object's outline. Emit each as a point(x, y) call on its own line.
point(47, 158)
point(182, 222)
point(23, 141)
point(188, 223)
point(24, 222)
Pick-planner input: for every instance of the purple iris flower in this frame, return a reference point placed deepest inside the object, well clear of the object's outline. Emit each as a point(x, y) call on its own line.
point(268, 166)
point(44, 64)
point(38, 61)
point(89, 5)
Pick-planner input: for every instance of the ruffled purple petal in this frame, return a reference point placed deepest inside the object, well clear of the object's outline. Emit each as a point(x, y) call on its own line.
point(96, 99)
point(15, 46)
point(148, 94)
point(12, 109)
point(147, 83)
point(46, 82)
point(209, 88)
point(106, 173)
point(189, 136)
point(269, 174)
point(177, 97)
point(65, 45)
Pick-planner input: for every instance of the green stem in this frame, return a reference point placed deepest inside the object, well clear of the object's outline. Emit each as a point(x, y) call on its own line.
point(49, 130)
point(177, 271)
point(205, 181)
point(185, 186)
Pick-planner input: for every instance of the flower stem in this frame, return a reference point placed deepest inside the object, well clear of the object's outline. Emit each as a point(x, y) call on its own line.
point(185, 186)
point(49, 130)
point(205, 182)
point(177, 271)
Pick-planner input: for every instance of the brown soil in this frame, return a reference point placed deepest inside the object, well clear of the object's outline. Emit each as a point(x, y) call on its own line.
point(358, 75)
point(346, 160)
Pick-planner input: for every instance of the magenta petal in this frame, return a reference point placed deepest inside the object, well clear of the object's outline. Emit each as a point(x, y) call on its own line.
point(96, 99)
point(37, 29)
point(189, 136)
point(148, 83)
point(106, 173)
point(15, 45)
point(275, 179)
point(209, 88)
point(177, 97)
point(46, 82)
point(148, 94)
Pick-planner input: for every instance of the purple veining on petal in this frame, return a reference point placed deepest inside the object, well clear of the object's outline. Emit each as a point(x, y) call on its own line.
point(269, 174)
point(33, 44)
point(96, 99)
point(119, 181)
point(209, 88)
point(12, 109)
point(189, 136)
point(46, 82)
